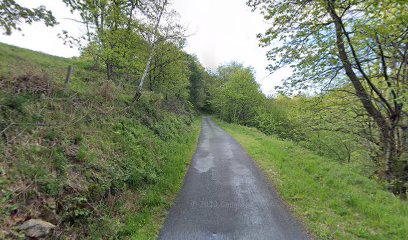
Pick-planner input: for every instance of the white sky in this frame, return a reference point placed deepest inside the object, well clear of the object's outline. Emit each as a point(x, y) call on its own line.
point(223, 31)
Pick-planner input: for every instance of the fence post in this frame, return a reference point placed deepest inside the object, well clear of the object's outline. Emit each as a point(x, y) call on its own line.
point(68, 79)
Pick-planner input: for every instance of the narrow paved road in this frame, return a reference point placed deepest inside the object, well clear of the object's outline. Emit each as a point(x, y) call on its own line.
point(225, 196)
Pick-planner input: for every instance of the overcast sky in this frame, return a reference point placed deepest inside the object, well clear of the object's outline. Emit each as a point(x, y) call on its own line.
point(222, 31)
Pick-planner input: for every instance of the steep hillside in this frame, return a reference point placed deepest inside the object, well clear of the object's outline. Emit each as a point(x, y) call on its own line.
point(86, 158)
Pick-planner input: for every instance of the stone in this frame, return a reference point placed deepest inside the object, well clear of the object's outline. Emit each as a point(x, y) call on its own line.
point(36, 228)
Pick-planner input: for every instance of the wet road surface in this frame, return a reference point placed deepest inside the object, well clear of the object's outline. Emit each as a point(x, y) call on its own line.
point(225, 196)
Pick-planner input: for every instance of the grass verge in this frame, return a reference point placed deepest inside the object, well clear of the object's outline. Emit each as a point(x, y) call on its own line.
point(332, 199)
point(154, 205)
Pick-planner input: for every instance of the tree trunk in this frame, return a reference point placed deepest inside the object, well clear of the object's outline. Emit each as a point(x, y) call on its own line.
point(155, 42)
point(390, 154)
point(146, 71)
point(109, 69)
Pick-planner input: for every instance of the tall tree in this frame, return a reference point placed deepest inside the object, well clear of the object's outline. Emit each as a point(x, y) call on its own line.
point(336, 42)
point(198, 79)
point(116, 27)
point(110, 29)
point(169, 72)
point(155, 13)
point(237, 95)
point(160, 26)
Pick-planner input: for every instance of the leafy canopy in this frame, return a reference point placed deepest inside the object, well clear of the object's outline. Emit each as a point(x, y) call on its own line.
point(13, 14)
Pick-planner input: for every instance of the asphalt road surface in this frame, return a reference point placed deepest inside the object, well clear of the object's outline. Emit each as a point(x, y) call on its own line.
point(226, 196)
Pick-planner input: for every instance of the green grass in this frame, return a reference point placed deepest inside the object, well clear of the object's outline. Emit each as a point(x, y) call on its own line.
point(147, 223)
point(332, 199)
point(86, 158)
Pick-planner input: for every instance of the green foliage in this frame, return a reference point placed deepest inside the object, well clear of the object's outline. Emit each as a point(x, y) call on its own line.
point(237, 94)
point(198, 87)
point(306, 33)
point(334, 201)
point(169, 74)
point(276, 118)
point(76, 210)
point(12, 14)
point(123, 36)
point(15, 103)
point(326, 125)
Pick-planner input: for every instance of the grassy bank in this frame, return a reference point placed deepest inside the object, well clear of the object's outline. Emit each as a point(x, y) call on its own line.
point(145, 219)
point(86, 158)
point(333, 199)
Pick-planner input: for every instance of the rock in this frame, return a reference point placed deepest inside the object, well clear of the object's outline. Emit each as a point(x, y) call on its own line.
point(36, 228)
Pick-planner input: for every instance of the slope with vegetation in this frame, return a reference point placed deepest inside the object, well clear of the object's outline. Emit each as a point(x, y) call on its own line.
point(86, 158)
